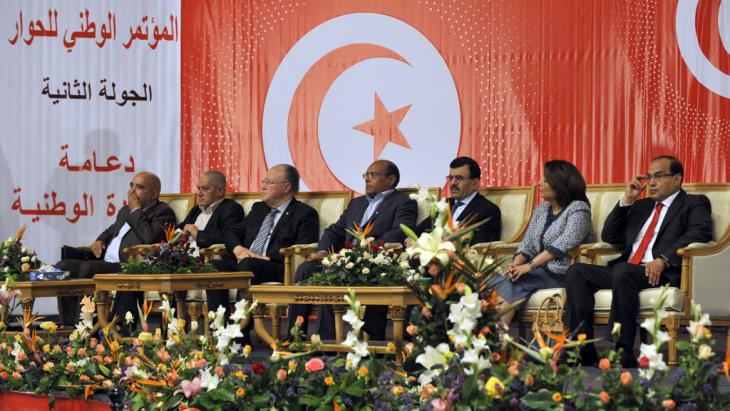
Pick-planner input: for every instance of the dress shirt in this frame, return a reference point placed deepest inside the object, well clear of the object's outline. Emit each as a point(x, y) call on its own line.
point(455, 213)
point(648, 255)
point(373, 204)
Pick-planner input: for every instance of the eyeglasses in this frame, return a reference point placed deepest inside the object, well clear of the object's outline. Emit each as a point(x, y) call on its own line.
point(265, 183)
point(655, 176)
point(371, 174)
point(459, 179)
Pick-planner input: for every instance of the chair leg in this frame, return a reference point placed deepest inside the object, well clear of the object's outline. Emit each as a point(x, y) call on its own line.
point(672, 324)
point(523, 330)
point(275, 311)
point(195, 310)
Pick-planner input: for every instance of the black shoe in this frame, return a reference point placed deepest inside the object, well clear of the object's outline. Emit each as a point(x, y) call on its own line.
point(588, 355)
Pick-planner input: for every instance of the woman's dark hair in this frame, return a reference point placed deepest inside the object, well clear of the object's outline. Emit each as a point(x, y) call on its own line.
point(566, 181)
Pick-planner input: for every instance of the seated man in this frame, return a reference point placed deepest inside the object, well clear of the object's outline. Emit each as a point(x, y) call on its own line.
point(467, 204)
point(648, 232)
point(387, 208)
point(214, 214)
point(141, 221)
point(278, 221)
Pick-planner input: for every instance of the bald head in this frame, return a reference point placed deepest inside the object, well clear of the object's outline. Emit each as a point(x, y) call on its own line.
point(147, 187)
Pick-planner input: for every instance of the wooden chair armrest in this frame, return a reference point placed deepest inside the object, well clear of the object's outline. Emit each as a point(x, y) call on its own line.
point(504, 248)
point(304, 249)
point(595, 249)
point(483, 248)
point(694, 249)
point(137, 250)
point(208, 253)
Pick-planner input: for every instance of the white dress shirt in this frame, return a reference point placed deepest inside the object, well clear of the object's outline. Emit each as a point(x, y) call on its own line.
point(455, 213)
point(648, 255)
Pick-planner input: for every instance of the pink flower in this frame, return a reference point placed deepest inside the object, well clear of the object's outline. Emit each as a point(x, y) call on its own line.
point(314, 365)
point(439, 404)
point(6, 297)
point(191, 388)
point(281, 374)
point(669, 404)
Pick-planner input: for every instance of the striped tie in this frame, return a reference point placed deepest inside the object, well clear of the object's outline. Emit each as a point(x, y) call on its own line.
point(258, 244)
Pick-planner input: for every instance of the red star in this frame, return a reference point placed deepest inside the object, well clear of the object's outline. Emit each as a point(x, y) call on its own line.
point(385, 127)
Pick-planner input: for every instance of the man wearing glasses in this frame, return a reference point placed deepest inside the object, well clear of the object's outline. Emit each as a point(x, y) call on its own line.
point(649, 232)
point(467, 204)
point(384, 206)
point(278, 221)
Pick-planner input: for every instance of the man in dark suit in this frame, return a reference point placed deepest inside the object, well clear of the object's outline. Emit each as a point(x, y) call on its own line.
point(214, 214)
point(384, 206)
point(141, 221)
point(276, 222)
point(467, 204)
point(648, 232)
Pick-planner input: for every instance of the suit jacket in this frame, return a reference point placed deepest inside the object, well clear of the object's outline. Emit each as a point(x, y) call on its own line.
point(688, 220)
point(298, 225)
point(147, 226)
point(396, 209)
point(225, 215)
point(479, 209)
point(569, 230)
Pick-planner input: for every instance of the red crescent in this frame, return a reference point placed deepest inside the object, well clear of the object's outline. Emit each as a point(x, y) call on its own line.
point(305, 107)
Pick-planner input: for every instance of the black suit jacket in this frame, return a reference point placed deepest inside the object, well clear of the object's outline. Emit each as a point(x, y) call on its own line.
point(396, 209)
point(478, 209)
point(148, 226)
point(688, 220)
point(225, 215)
point(298, 225)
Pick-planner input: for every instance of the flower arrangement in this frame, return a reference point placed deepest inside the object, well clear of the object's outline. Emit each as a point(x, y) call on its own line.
point(461, 357)
point(17, 261)
point(173, 256)
point(364, 262)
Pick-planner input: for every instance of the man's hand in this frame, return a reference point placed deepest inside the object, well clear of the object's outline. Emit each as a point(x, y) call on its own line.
point(132, 200)
point(519, 271)
point(192, 229)
point(318, 256)
point(633, 189)
point(242, 252)
point(654, 270)
point(97, 248)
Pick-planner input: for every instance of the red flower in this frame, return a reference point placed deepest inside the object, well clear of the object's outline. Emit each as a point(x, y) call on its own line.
point(348, 245)
point(643, 362)
point(258, 368)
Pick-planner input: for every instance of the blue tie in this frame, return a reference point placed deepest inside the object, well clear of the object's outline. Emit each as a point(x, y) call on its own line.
point(264, 232)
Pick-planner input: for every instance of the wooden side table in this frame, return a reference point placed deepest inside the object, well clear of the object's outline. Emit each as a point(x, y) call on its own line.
point(177, 284)
point(396, 298)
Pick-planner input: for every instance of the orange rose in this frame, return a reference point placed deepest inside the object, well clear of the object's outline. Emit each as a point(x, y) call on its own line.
point(604, 364)
point(669, 404)
point(626, 378)
point(604, 397)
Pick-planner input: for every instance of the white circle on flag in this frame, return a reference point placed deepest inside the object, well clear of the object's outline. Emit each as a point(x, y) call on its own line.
point(431, 127)
point(689, 46)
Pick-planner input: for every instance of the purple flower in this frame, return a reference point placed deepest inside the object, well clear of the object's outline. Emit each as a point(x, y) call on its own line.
point(645, 382)
point(688, 407)
point(707, 390)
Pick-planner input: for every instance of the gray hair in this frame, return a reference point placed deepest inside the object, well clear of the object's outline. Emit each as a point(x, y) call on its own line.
point(217, 178)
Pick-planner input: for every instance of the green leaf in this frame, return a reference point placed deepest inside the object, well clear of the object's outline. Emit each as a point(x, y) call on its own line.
point(682, 345)
point(355, 391)
point(104, 370)
point(539, 400)
point(311, 400)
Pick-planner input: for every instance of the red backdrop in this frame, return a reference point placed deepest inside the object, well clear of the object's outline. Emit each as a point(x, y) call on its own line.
point(599, 83)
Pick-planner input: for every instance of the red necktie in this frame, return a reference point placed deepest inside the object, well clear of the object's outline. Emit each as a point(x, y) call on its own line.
point(639, 254)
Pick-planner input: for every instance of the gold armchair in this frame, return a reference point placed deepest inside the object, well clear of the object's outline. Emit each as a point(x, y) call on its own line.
point(516, 205)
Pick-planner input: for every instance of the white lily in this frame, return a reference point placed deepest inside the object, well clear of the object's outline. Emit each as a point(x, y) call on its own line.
point(430, 246)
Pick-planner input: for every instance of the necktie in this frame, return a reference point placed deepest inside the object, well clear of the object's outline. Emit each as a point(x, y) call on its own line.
point(639, 254)
point(258, 243)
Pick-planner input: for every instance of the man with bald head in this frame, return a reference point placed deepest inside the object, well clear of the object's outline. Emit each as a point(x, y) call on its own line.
point(141, 221)
point(384, 206)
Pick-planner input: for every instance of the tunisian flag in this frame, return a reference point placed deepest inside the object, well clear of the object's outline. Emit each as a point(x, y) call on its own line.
point(329, 86)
